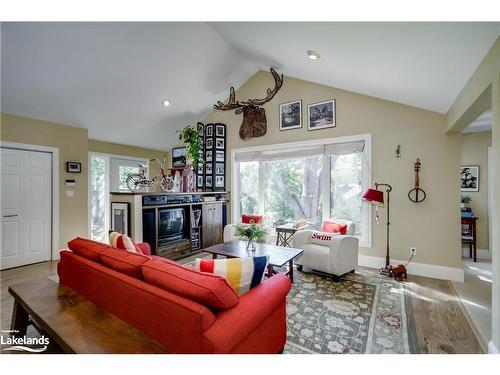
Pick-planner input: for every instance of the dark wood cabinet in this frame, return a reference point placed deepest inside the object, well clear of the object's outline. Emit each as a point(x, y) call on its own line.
point(212, 224)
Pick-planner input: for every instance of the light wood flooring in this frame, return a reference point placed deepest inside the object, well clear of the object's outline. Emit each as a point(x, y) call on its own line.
point(442, 324)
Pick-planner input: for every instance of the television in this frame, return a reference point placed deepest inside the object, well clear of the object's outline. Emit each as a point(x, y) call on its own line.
point(171, 225)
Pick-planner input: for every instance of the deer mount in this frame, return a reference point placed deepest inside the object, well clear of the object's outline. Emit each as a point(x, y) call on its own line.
point(254, 122)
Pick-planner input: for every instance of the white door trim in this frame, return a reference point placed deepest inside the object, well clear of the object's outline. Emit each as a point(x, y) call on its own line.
point(491, 184)
point(55, 187)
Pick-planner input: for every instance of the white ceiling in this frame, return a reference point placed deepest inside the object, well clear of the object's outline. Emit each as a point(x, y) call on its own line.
point(111, 77)
point(481, 124)
point(420, 64)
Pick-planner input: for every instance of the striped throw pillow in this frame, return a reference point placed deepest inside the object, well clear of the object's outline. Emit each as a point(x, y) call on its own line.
point(123, 242)
point(242, 273)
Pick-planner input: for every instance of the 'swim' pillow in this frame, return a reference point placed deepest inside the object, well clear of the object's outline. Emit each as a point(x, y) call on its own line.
point(242, 273)
point(322, 238)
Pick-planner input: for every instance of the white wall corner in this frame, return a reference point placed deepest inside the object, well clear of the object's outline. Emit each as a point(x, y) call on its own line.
point(420, 269)
point(492, 349)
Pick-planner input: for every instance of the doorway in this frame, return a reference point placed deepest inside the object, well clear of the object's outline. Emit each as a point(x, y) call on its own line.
point(27, 209)
point(107, 174)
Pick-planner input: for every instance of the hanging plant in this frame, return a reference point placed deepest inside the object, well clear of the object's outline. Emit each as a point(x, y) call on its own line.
point(191, 138)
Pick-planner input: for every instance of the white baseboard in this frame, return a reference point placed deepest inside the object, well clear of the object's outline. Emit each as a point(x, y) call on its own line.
point(492, 349)
point(421, 269)
point(481, 253)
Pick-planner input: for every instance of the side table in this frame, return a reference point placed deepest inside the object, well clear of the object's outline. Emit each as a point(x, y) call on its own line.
point(285, 232)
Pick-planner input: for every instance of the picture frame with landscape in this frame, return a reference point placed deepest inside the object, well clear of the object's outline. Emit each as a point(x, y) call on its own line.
point(179, 157)
point(321, 115)
point(291, 115)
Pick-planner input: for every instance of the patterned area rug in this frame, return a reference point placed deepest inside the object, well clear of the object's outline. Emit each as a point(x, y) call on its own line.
point(362, 313)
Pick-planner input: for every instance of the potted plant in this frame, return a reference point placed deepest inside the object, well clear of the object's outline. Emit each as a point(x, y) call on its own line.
point(251, 232)
point(190, 136)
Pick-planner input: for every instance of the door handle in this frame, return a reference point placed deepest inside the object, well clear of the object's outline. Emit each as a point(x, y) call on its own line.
point(14, 215)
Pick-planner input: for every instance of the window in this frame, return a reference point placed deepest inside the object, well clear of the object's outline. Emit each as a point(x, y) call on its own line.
point(119, 171)
point(308, 181)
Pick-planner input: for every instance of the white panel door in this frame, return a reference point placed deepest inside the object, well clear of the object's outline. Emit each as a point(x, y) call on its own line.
point(26, 207)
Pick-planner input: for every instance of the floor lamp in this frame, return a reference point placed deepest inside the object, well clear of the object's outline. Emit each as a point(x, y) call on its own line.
point(376, 197)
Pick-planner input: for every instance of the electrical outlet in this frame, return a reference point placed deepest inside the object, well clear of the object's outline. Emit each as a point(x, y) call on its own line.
point(413, 251)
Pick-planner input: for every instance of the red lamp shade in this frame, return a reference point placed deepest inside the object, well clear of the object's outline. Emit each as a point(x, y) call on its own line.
point(374, 196)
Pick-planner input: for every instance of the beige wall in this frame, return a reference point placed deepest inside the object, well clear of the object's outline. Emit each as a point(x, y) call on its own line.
point(483, 90)
point(73, 145)
point(433, 225)
point(475, 152)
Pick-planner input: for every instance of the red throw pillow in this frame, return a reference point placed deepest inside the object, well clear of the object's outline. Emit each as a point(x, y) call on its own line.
point(210, 290)
point(251, 219)
point(333, 227)
point(123, 242)
point(87, 248)
point(124, 261)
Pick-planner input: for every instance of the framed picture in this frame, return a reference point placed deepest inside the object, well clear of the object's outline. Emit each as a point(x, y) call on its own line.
point(73, 167)
point(209, 143)
point(321, 115)
point(291, 115)
point(219, 156)
point(220, 130)
point(120, 219)
point(178, 157)
point(208, 181)
point(219, 168)
point(209, 130)
point(201, 129)
point(219, 143)
point(469, 178)
point(209, 156)
point(199, 181)
point(208, 168)
point(200, 168)
point(219, 181)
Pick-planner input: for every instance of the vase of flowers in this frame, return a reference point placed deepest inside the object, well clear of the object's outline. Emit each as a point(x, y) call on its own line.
point(251, 232)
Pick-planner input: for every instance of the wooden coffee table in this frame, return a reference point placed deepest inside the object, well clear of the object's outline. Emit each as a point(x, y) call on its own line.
point(73, 323)
point(279, 256)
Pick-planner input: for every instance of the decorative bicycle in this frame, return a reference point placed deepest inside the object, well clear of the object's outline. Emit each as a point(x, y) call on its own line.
point(139, 181)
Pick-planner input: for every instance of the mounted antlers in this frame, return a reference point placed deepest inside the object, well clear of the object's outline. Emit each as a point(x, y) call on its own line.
point(254, 122)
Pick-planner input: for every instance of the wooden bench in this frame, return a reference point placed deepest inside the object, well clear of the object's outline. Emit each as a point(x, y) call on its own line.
point(74, 324)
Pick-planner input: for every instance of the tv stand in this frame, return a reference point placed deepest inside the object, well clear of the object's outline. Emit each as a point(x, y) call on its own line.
point(204, 217)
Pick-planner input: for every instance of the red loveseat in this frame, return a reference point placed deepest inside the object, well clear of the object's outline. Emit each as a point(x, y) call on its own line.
point(139, 290)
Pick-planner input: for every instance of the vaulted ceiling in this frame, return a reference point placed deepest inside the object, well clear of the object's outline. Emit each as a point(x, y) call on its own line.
point(112, 77)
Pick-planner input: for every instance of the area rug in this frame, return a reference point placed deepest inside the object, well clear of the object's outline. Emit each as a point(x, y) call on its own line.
point(362, 313)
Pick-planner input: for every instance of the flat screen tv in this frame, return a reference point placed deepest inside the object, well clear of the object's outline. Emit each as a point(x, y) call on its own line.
point(171, 225)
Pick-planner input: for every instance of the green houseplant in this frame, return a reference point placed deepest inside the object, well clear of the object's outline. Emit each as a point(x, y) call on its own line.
point(251, 232)
point(190, 136)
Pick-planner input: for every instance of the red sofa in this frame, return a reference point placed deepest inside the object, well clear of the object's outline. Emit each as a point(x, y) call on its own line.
point(253, 323)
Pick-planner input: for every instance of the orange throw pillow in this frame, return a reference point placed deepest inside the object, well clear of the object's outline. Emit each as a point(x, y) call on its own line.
point(251, 219)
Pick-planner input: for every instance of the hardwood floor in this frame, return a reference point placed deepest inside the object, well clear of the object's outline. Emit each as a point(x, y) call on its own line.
point(442, 324)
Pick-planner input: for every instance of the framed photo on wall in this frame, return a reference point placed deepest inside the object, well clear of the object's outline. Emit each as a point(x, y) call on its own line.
point(120, 218)
point(321, 115)
point(209, 143)
point(291, 115)
point(208, 155)
point(219, 181)
point(219, 156)
point(219, 143)
point(220, 130)
point(73, 167)
point(178, 157)
point(208, 181)
point(469, 178)
point(209, 130)
point(219, 168)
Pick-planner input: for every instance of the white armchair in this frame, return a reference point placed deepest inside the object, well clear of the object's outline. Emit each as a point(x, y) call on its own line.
point(331, 253)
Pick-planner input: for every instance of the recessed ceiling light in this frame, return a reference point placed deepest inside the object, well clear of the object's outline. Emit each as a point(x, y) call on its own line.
point(313, 55)
point(166, 103)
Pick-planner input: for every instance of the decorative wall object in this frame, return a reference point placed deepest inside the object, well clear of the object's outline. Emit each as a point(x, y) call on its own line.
point(397, 153)
point(179, 155)
point(120, 219)
point(469, 178)
point(416, 194)
point(73, 167)
point(200, 173)
point(291, 115)
point(321, 115)
point(215, 157)
point(254, 116)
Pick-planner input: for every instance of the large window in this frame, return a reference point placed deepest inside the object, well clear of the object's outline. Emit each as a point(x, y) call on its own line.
point(308, 181)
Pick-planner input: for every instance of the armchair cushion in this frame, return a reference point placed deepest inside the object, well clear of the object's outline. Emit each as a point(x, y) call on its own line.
point(252, 219)
point(332, 226)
